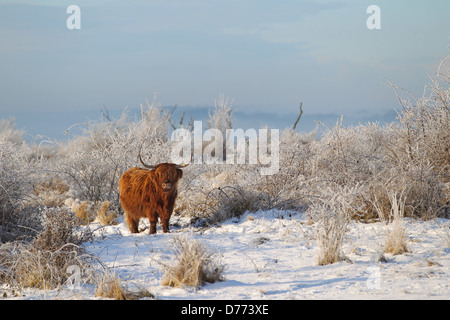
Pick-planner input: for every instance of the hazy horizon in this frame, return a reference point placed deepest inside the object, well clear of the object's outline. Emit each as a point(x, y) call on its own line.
point(52, 125)
point(266, 55)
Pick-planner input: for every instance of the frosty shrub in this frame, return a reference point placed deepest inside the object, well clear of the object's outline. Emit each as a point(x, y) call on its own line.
point(50, 190)
point(91, 164)
point(209, 195)
point(213, 193)
point(17, 221)
point(332, 217)
point(411, 155)
point(96, 160)
point(25, 265)
point(375, 159)
point(426, 121)
point(193, 265)
point(343, 157)
point(420, 149)
point(288, 189)
point(43, 263)
point(9, 132)
point(220, 118)
point(60, 227)
point(229, 201)
point(12, 191)
point(348, 155)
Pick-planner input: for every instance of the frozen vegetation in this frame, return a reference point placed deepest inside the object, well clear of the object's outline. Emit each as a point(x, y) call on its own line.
point(358, 212)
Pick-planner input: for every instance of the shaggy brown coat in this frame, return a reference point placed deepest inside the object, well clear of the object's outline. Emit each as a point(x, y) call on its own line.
point(149, 193)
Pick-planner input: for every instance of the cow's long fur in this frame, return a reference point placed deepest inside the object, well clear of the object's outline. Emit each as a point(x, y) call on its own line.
point(149, 193)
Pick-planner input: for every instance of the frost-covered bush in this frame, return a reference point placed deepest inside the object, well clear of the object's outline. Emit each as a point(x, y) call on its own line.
point(419, 149)
point(95, 161)
point(219, 192)
point(411, 155)
point(16, 180)
point(332, 215)
point(377, 160)
point(43, 262)
point(426, 122)
point(220, 117)
point(11, 178)
point(348, 155)
point(9, 132)
point(288, 188)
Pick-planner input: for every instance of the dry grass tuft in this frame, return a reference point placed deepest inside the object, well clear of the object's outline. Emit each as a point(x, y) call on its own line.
point(105, 217)
point(194, 264)
point(331, 232)
point(88, 211)
point(82, 209)
point(111, 286)
point(333, 215)
point(43, 263)
point(396, 239)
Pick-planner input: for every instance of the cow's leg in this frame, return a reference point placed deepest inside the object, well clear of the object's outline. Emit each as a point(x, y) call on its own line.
point(132, 223)
point(165, 225)
point(152, 227)
point(153, 221)
point(165, 217)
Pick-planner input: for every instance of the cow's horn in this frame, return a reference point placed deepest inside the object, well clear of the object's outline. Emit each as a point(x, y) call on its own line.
point(145, 165)
point(179, 166)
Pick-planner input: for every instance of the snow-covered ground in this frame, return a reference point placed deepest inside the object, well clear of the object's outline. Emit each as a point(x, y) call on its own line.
point(273, 255)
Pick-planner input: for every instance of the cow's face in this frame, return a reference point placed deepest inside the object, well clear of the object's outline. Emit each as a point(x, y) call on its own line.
point(167, 176)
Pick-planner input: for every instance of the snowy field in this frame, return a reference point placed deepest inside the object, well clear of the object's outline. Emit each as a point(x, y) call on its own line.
point(273, 255)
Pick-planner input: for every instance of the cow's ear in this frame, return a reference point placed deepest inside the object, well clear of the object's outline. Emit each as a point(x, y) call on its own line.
point(180, 173)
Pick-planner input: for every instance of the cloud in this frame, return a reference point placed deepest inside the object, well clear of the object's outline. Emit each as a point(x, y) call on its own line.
point(305, 25)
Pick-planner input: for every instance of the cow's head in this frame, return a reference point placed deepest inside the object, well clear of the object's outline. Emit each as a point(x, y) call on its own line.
point(167, 174)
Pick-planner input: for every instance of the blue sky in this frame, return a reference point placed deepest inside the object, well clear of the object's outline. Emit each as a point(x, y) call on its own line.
point(267, 55)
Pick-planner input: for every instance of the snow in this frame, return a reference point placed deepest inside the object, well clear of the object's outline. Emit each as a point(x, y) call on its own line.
point(273, 255)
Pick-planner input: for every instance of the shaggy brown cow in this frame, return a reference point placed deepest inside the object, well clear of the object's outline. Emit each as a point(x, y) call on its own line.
point(149, 193)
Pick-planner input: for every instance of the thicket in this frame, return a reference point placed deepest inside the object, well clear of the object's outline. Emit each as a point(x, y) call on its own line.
point(347, 173)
